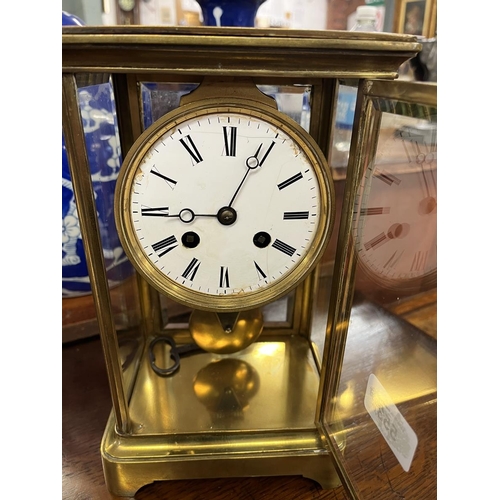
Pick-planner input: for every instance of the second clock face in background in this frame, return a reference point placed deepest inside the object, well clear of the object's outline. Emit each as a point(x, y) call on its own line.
point(395, 231)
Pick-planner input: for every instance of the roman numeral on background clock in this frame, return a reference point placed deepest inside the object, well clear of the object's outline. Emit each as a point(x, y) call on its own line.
point(191, 270)
point(229, 140)
point(380, 239)
point(191, 148)
point(419, 261)
point(393, 260)
point(166, 245)
point(389, 179)
point(375, 211)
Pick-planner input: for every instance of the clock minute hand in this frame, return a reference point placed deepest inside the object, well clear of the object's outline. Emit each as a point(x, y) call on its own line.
point(252, 162)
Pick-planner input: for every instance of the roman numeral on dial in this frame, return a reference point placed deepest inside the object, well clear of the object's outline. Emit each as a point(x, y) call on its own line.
point(168, 180)
point(283, 247)
point(289, 181)
point(224, 277)
point(164, 246)
point(295, 215)
point(229, 140)
point(260, 272)
point(154, 211)
point(191, 270)
point(188, 143)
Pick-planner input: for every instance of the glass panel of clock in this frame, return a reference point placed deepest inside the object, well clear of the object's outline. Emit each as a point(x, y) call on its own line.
point(388, 391)
point(160, 98)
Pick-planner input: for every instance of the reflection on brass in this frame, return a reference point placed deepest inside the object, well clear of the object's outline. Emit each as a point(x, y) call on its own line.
point(226, 386)
point(225, 333)
point(287, 385)
point(128, 346)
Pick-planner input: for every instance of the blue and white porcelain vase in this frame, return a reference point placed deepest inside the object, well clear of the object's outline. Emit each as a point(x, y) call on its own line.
point(104, 154)
point(229, 12)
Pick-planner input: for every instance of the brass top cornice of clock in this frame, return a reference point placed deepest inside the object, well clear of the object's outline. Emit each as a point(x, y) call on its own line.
point(413, 92)
point(231, 51)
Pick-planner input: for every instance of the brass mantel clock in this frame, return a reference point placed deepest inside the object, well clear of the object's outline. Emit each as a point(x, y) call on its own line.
point(237, 357)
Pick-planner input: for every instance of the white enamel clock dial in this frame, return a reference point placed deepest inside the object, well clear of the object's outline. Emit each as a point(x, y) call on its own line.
point(396, 214)
point(224, 208)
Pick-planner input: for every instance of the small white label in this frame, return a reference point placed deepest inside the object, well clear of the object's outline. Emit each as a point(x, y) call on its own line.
point(396, 431)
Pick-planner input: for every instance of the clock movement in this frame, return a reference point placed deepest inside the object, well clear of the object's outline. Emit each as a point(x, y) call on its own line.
point(269, 332)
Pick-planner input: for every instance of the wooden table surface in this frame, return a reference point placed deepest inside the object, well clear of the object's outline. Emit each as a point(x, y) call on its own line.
point(86, 405)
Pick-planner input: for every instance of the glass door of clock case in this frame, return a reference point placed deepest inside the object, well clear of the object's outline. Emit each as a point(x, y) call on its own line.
point(379, 403)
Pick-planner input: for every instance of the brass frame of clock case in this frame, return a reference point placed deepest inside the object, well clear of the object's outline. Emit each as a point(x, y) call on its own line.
point(133, 454)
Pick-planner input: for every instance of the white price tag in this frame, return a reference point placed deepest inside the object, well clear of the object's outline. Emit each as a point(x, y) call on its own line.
point(396, 431)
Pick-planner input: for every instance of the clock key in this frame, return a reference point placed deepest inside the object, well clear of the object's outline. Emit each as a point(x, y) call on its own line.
point(175, 354)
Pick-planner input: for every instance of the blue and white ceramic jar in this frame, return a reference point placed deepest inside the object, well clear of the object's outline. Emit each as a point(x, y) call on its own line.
point(104, 154)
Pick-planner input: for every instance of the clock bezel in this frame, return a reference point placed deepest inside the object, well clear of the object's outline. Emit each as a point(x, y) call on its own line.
point(193, 298)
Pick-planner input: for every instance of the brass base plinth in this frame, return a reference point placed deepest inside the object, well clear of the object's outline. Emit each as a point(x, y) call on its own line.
point(239, 415)
point(274, 454)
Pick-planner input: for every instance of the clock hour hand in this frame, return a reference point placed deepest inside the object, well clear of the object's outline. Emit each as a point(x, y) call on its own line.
point(185, 215)
point(252, 162)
